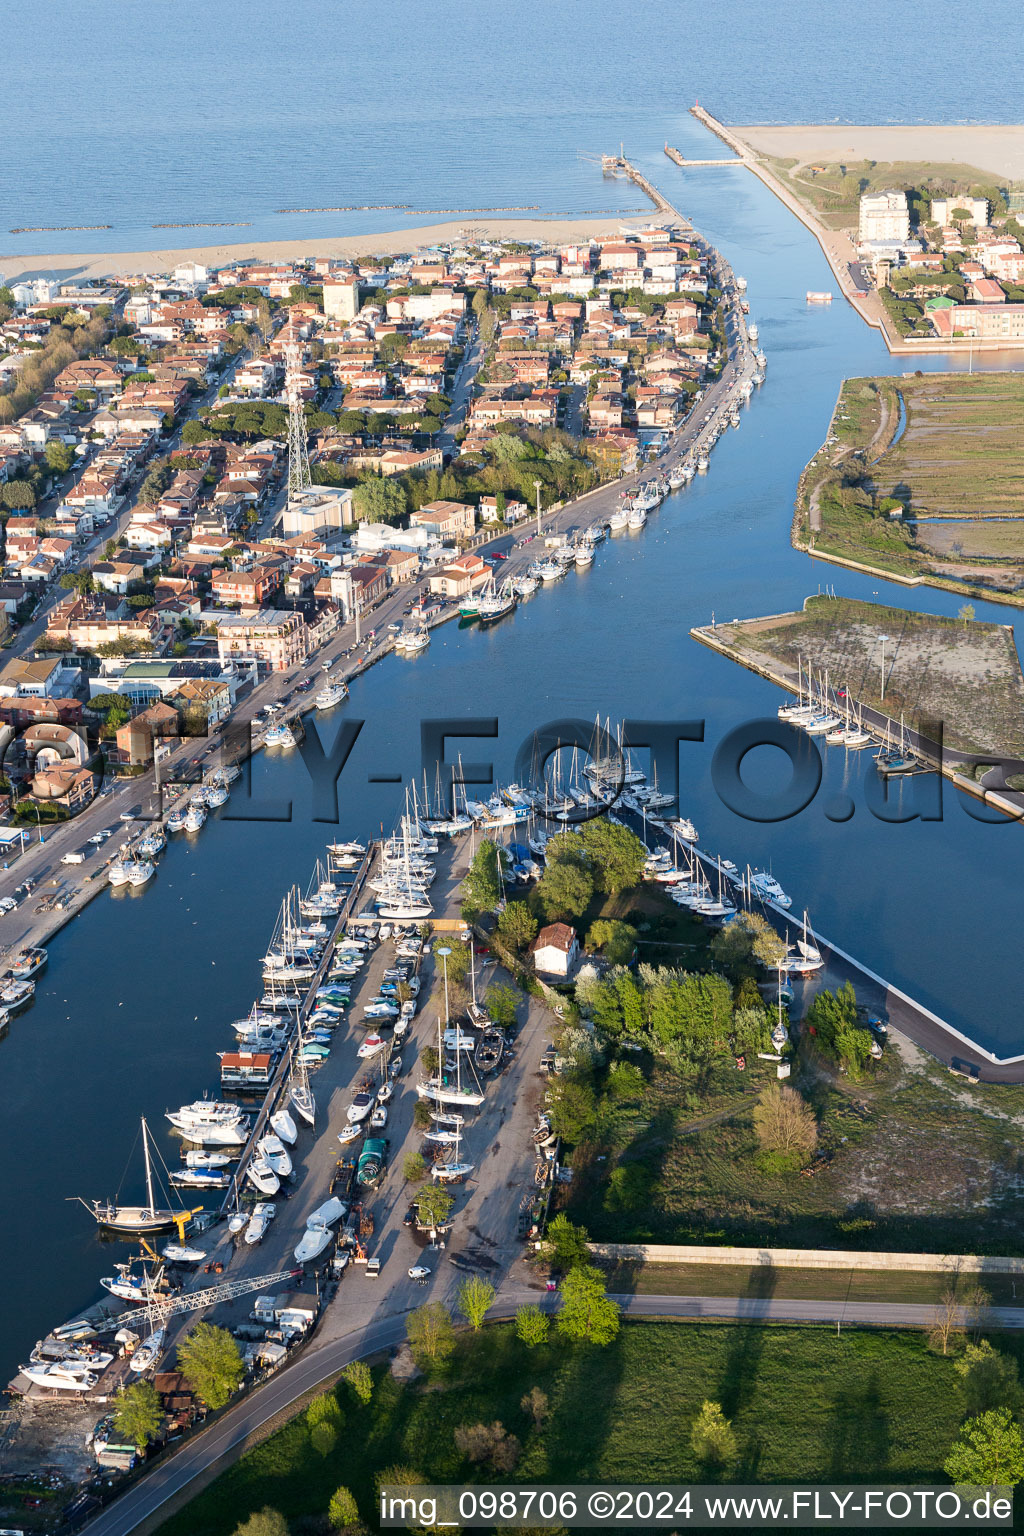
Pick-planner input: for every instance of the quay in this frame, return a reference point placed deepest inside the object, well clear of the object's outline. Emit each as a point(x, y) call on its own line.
point(680, 159)
point(618, 165)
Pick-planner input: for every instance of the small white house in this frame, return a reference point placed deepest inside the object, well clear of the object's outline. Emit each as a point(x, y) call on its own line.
point(556, 949)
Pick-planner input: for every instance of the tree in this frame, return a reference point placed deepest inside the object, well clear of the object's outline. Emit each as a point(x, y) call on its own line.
point(568, 1244)
point(517, 925)
point(490, 1443)
point(784, 1123)
point(563, 891)
point(535, 1404)
point(991, 1380)
point(18, 495)
point(615, 854)
point(434, 1204)
point(323, 1437)
point(59, 456)
point(78, 581)
point(616, 939)
point(325, 1409)
point(502, 1004)
point(573, 1108)
point(966, 614)
point(832, 1018)
point(481, 888)
point(747, 941)
point(947, 1321)
point(414, 1168)
point(137, 1414)
point(360, 1379)
point(265, 1522)
point(989, 1453)
point(587, 1314)
point(211, 1364)
point(431, 1335)
point(532, 1326)
point(343, 1510)
point(476, 1297)
point(712, 1437)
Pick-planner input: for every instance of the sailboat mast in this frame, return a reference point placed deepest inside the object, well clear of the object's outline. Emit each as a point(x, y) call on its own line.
point(149, 1170)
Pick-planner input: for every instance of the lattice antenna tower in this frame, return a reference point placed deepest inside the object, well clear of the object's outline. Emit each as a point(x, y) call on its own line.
point(299, 478)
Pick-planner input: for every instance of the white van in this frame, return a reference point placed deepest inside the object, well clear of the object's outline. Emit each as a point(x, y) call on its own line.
point(73, 858)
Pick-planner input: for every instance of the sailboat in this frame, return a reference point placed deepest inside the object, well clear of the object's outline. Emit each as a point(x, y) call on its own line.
point(300, 1094)
point(135, 1218)
point(437, 1091)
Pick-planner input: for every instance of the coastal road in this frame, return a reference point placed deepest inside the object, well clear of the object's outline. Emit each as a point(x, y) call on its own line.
point(173, 1476)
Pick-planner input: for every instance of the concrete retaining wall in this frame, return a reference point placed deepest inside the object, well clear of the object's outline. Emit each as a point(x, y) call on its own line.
point(810, 1258)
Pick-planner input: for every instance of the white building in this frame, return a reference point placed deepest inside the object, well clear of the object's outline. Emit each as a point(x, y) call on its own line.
point(884, 216)
point(191, 276)
point(341, 298)
point(372, 538)
point(943, 209)
point(316, 511)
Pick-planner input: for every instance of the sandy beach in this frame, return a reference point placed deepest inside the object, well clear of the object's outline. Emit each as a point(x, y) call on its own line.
point(107, 263)
point(995, 148)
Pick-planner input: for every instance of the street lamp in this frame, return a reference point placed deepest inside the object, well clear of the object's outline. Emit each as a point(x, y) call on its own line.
point(537, 485)
point(883, 639)
point(444, 953)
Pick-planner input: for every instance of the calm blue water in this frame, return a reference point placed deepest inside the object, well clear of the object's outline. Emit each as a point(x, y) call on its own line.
point(139, 990)
point(198, 115)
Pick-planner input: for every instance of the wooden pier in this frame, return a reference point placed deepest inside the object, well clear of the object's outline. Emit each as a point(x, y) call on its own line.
point(680, 159)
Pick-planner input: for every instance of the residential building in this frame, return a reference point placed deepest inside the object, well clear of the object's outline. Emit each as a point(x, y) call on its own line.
point(884, 216)
point(447, 519)
point(275, 638)
point(463, 575)
point(341, 298)
point(556, 950)
point(986, 322)
point(976, 208)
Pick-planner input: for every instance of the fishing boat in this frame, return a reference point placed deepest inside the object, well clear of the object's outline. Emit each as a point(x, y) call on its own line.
point(216, 796)
point(469, 606)
point(176, 819)
point(154, 842)
point(195, 818)
point(141, 870)
point(526, 585)
point(330, 695)
point(551, 570)
point(27, 962)
point(135, 1218)
point(637, 517)
point(280, 736)
point(118, 872)
point(495, 604)
point(619, 518)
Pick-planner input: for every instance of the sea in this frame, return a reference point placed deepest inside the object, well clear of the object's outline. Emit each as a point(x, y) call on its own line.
point(225, 114)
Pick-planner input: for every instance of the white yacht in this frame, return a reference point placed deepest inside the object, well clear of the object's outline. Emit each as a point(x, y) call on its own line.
point(260, 1174)
point(768, 888)
point(411, 641)
point(551, 570)
point(119, 872)
point(61, 1375)
point(584, 553)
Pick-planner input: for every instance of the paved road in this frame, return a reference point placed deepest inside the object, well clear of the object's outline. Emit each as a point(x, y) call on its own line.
point(322, 1363)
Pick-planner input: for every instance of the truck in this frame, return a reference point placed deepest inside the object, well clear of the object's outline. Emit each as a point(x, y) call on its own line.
point(372, 1162)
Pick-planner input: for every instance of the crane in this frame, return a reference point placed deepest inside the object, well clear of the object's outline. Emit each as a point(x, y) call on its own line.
point(159, 1308)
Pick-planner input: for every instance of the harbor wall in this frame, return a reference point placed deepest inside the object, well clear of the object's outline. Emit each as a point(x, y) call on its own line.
point(811, 1258)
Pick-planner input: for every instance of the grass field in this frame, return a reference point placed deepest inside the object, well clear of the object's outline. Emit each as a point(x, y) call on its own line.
point(832, 190)
point(942, 446)
point(806, 1405)
point(966, 674)
point(802, 1284)
point(913, 1160)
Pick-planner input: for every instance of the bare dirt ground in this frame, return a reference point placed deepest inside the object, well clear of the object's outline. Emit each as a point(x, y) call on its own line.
point(997, 148)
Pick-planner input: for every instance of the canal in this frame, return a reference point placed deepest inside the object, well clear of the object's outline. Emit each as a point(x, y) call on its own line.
point(140, 989)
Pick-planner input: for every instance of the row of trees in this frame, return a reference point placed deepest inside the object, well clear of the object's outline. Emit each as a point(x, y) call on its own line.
point(210, 1362)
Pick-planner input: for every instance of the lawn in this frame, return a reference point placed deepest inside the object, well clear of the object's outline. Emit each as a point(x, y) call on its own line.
point(806, 1405)
point(911, 1161)
point(943, 446)
point(832, 190)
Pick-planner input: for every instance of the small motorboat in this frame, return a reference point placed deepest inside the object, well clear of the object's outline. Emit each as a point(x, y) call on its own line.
point(199, 1178)
point(27, 962)
point(61, 1375)
point(370, 1046)
point(262, 1215)
point(260, 1173)
point(312, 1243)
point(351, 1132)
point(360, 1107)
point(181, 1253)
point(276, 1154)
point(325, 1215)
point(208, 1159)
point(283, 1126)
